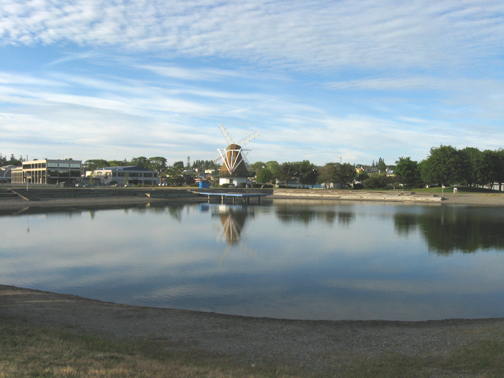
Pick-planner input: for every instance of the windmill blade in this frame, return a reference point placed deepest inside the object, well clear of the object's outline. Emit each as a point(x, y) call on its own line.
point(245, 160)
point(226, 134)
point(247, 139)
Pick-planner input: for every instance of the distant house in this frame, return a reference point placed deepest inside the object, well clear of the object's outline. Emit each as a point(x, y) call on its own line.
point(126, 175)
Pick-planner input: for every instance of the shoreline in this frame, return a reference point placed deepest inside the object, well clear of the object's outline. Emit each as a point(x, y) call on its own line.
point(146, 196)
point(313, 344)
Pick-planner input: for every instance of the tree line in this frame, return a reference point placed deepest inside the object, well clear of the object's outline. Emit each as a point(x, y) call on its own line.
point(445, 165)
point(11, 161)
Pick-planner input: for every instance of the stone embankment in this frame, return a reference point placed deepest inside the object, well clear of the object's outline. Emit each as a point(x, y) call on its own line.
point(357, 195)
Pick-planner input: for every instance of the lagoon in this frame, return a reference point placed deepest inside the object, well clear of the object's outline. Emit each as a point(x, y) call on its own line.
point(291, 259)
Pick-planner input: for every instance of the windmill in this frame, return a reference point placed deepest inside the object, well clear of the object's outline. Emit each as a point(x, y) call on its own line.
point(235, 168)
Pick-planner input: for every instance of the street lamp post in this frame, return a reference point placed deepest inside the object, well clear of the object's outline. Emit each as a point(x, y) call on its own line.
point(27, 179)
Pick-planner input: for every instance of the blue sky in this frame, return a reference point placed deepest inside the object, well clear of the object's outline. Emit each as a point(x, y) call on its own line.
point(319, 80)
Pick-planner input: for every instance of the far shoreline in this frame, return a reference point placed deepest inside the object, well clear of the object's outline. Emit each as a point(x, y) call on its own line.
point(145, 196)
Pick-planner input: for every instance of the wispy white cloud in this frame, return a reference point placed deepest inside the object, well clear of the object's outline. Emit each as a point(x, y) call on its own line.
point(371, 33)
point(317, 79)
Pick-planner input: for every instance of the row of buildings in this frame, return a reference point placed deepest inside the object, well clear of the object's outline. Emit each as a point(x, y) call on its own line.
point(67, 172)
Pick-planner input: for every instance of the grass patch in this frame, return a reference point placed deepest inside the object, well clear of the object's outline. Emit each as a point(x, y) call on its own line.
point(32, 351)
point(482, 358)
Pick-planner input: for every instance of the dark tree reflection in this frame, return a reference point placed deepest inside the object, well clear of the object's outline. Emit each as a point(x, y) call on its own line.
point(452, 229)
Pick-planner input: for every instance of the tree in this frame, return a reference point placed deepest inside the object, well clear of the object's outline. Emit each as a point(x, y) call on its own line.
point(140, 161)
point(286, 171)
point(442, 166)
point(471, 165)
point(273, 166)
point(407, 172)
point(118, 163)
point(345, 173)
point(264, 175)
point(377, 181)
point(126, 179)
point(257, 165)
point(91, 165)
point(327, 174)
point(382, 167)
point(493, 167)
point(157, 163)
point(306, 173)
point(178, 166)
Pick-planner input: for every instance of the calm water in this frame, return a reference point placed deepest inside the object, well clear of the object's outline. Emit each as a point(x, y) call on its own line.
point(304, 260)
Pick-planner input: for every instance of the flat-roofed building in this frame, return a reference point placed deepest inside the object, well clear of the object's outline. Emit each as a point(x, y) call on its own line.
point(126, 175)
point(47, 171)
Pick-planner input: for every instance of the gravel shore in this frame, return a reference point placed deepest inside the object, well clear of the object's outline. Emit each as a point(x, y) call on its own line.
point(315, 345)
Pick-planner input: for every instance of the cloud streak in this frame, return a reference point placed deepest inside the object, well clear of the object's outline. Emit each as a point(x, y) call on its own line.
point(372, 33)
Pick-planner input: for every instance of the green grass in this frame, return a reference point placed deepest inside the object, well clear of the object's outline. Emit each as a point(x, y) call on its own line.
point(32, 351)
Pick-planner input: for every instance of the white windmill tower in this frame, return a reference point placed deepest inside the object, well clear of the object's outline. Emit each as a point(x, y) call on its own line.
point(235, 169)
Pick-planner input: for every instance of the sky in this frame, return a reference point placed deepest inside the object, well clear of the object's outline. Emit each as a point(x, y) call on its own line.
point(325, 81)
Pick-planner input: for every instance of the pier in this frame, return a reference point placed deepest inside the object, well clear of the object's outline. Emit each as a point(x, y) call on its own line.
point(245, 196)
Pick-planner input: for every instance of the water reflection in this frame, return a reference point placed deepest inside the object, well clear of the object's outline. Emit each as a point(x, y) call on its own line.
point(314, 260)
point(293, 214)
point(450, 229)
point(232, 219)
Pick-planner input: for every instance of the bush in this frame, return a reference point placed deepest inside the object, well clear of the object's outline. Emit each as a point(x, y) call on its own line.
point(377, 182)
point(225, 185)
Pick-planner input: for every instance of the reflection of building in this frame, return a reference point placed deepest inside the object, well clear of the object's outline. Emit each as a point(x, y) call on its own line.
point(126, 175)
point(232, 217)
point(47, 171)
point(232, 224)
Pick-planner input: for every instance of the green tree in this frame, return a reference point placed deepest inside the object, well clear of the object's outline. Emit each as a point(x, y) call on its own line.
point(327, 174)
point(307, 173)
point(118, 163)
point(443, 166)
point(264, 175)
point(178, 166)
point(140, 161)
point(345, 174)
point(471, 165)
point(157, 163)
point(257, 166)
point(91, 165)
point(382, 167)
point(381, 181)
point(493, 167)
point(286, 171)
point(407, 172)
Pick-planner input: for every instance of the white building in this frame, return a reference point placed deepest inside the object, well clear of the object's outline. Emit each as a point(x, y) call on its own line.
point(47, 171)
point(126, 175)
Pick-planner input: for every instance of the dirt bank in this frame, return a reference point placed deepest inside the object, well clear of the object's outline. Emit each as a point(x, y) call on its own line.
point(312, 344)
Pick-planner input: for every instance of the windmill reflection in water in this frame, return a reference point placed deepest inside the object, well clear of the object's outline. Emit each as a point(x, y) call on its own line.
point(232, 218)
